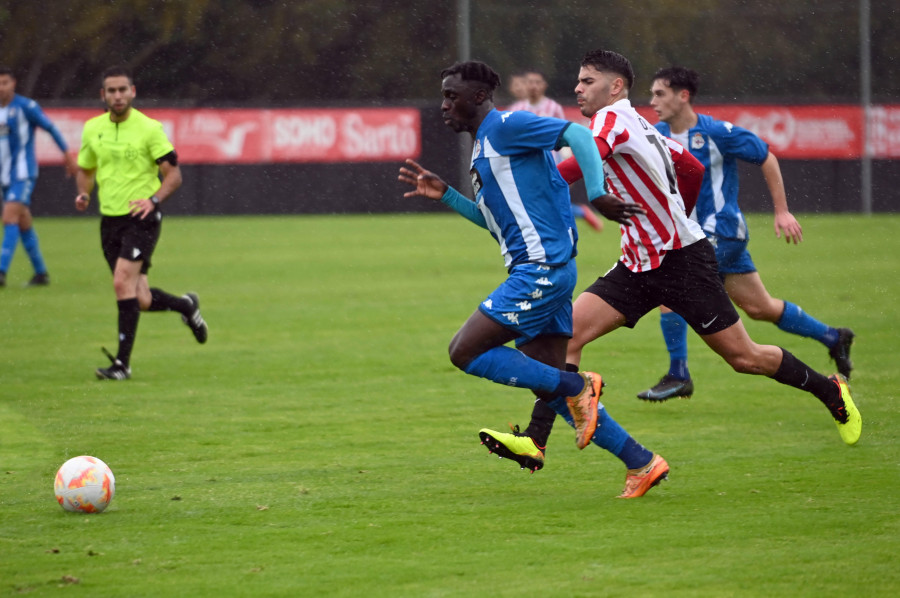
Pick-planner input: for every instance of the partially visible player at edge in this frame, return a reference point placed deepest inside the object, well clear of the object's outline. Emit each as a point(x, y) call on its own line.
point(719, 145)
point(125, 152)
point(666, 259)
point(524, 203)
point(19, 117)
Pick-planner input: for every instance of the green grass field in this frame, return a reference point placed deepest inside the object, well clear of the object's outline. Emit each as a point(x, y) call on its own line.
point(321, 444)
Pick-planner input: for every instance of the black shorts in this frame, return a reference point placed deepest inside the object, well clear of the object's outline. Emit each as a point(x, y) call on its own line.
point(687, 282)
point(130, 238)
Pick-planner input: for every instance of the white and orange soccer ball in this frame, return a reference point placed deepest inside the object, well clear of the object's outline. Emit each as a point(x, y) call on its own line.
point(85, 485)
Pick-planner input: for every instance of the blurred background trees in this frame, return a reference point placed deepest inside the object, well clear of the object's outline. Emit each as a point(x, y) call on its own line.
point(282, 52)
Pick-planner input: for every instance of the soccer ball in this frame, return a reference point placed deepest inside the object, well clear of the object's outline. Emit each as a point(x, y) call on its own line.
point(84, 484)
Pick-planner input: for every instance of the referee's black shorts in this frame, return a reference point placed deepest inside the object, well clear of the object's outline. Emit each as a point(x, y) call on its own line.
point(687, 282)
point(130, 238)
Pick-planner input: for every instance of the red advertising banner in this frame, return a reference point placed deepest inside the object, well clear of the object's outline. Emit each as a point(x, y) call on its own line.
point(804, 132)
point(221, 136)
point(884, 132)
point(244, 136)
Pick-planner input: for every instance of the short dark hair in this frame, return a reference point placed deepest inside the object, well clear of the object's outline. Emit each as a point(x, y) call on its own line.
point(117, 71)
point(679, 77)
point(474, 70)
point(613, 62)
point(5, 70)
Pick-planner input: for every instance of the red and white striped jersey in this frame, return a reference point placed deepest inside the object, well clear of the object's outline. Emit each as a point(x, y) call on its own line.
point(544, 107)
point(639, 168)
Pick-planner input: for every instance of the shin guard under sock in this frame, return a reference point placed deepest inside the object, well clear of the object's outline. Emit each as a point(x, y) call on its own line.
point(129, 314)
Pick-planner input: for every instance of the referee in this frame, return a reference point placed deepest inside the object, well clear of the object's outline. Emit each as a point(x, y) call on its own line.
point(125, 152)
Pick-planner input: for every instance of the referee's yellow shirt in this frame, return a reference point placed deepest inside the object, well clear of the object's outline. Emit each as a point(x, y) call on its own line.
point(124, 155)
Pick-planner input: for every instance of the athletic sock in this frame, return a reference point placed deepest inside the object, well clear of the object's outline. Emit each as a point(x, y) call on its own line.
point(129, 314)
point(634, 455)
point(796, 321)
point(794, 372)
point(163, 301)
point(674, 329)
point(8, 248)
point(511, 367)
point(542, 417)
point(609, 435)
point(33, 249)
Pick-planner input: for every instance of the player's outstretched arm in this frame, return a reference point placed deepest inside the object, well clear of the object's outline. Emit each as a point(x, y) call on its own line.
point(588, 157)
point(70, 162)
point(425, 183)
point(428, 184)
point(785, 223)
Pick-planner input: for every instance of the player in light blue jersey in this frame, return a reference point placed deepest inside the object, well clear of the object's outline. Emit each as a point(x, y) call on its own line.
point(718, 145)
point(522, 200)
point(19, 117)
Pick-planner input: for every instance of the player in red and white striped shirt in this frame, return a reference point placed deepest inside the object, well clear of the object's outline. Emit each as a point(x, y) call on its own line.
point(666, 259)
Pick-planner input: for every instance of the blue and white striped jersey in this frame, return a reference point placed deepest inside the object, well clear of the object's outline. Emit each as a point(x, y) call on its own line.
point(18, 120)
point(519, 190)
point(718, 145)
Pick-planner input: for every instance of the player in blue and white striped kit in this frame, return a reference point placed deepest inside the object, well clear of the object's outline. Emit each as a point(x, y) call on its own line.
point(523, 201)
point(718, 145)
point(19, 117)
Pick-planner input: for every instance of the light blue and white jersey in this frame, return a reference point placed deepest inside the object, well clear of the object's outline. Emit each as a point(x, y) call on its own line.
point(719, 145)
point(18, 120)
point(519, 190)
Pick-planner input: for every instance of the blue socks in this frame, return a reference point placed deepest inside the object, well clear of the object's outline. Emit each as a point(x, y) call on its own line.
point(610, 436)
point(30, 243)
point(10, 240)
point(797, 321)
point(511, 367)
point(674, 330)
point(11, 236)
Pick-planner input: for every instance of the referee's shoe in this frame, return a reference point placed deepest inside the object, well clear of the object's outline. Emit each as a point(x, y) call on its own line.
point(194, 320)
point(117, 371)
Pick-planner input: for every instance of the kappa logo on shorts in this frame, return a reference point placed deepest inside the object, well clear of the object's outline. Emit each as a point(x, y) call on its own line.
point(512, 317)
point(524, 305)
point(544, 281)
point(537, 294)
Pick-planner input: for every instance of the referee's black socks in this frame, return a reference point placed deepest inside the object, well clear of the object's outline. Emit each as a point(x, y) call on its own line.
point(129, 314)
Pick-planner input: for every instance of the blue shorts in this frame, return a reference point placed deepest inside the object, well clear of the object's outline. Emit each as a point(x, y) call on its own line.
point(19, 191)
point(732, 256)
point(535, 300)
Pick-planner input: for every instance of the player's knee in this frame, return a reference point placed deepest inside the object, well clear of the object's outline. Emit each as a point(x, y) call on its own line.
point(762, 312)
point(123, 286)
point(458, 356)
point(746, 363)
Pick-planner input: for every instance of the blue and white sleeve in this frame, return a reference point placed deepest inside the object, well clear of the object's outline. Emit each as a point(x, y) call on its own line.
point(36, 116)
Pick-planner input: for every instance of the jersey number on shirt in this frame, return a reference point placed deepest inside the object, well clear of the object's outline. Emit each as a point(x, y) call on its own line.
point(667, 160)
